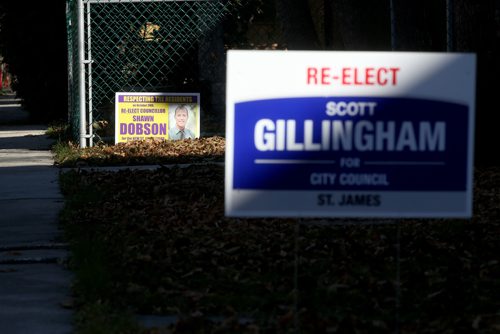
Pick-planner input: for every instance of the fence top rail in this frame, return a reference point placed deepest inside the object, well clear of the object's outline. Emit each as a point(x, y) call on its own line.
point(129, 1)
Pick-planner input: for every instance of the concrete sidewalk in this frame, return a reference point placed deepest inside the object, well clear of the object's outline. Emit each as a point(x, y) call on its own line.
point(33, 281)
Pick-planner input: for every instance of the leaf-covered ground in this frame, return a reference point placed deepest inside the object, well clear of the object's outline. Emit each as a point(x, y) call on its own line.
point(206, 149)
point(168, 249)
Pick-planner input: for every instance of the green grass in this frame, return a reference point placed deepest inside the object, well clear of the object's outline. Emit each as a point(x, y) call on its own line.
point(65, 153)
point(59, 131)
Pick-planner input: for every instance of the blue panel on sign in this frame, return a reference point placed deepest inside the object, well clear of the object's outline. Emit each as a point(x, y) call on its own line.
point(350, 143)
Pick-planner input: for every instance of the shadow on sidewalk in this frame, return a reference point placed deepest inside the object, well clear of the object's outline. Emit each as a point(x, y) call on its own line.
point(32, 138)
point(12, 112)
point(32, 289)
point(16, 132)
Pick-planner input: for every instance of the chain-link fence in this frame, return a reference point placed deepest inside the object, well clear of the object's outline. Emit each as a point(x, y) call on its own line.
point(179, 45)
point(137, 46)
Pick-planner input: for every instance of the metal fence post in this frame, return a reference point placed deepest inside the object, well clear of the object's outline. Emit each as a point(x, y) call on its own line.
point(81, 77)
point(88, 61)
point(70, 57)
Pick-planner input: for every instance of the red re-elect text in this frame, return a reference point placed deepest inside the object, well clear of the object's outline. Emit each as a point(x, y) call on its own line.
point(353, 76)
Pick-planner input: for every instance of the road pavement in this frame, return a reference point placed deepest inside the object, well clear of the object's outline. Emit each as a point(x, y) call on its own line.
point(34, 283)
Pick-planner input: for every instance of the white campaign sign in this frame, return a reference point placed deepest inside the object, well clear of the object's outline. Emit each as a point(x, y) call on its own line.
point(349, 134)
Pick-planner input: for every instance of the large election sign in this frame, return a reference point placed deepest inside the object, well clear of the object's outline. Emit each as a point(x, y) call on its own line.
point(349, 134)
point(140, 116)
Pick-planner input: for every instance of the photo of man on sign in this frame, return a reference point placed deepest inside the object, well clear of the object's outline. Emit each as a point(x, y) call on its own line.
point(181, 123)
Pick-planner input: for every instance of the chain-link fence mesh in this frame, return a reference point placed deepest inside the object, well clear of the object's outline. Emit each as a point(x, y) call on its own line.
point(137, 46)
point(179, 45)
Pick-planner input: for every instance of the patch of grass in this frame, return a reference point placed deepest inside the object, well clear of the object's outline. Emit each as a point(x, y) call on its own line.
point(66, 153)
point(59, 131)
point(93, 282)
